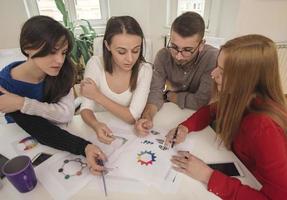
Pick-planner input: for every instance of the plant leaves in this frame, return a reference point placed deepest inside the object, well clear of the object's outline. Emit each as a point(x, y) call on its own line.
point(85, 29)
point(84, 50)
point(61, 7)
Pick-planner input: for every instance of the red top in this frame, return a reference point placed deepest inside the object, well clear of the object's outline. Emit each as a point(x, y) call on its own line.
point(261, 145)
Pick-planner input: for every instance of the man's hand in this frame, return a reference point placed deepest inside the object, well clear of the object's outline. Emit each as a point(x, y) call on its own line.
point(142, 127)
point(171, 97)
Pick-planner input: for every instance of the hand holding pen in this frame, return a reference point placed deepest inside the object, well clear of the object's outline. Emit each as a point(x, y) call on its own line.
point(176, 135)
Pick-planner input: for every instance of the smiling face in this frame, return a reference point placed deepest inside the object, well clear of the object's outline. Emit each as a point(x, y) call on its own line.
point(125, 49)
point(52, 63)
point(217, 73)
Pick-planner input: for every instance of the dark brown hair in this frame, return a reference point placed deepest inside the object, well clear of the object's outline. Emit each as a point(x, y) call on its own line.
point(44, 33)
point(119, 25)
point(189, 24)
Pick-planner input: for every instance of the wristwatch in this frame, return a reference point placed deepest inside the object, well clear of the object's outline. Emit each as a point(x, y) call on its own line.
point(165, 95)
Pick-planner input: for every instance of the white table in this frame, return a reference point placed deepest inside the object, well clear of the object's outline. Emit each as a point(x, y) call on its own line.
point(203, 144)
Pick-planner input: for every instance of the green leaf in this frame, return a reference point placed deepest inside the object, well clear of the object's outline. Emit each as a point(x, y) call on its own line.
point(85, 29)
point(89, 25)
point(84, 51)
point(83, 43)
point(61, 7)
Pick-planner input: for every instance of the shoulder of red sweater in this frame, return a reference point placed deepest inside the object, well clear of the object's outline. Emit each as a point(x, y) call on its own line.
point(254, 122)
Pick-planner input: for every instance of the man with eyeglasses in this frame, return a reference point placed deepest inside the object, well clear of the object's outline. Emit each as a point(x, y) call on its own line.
point(181, 70)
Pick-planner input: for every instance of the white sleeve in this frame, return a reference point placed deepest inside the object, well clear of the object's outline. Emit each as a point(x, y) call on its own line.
point(140, 94)
point(91, 71)
point(60, 112)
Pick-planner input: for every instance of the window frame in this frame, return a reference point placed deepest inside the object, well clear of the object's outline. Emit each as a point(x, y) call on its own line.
point(32, 10)
point(211, 14)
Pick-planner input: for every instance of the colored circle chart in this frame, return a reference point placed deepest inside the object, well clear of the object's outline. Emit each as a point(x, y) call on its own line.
point(146, 158)
point(78, 167)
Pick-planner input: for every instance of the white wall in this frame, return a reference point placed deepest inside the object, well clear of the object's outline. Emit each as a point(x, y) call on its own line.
point(235, 17)
point(139, 9)
point(12, 16)
point(266, 17)
point(227, 18)
point(151, 15)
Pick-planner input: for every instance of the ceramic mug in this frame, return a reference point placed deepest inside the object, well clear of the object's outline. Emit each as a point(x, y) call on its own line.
point(20, 172)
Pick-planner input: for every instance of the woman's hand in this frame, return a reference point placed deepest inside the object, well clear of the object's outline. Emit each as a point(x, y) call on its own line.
point(182, 132)
point(192, 166)
point(104, 134)
point(93, 153)
point(89, 89)
point(10, 102)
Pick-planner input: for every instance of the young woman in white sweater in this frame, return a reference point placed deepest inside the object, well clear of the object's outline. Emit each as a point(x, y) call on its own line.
point(119, 81)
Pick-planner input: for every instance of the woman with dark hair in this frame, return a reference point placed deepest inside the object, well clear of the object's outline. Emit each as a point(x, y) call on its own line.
point(251, 120)
point(40, 87)
point(118, 81)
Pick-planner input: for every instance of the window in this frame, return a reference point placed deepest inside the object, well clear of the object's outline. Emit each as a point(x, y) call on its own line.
point(187, 5)
point(177, 7)
point(96, 11)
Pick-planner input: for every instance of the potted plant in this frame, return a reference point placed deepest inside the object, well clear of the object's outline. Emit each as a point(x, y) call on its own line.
point(83, 41)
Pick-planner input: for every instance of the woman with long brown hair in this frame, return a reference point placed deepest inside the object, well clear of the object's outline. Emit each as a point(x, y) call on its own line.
point(118, 81)
point(36, 93)
point(251, 120)
point(41, 84)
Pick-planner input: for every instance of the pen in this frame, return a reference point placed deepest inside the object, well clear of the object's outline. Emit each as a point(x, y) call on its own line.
point(101, 163)
point(174, 137)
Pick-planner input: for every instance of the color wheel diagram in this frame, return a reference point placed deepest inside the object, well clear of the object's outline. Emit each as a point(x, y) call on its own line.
point(146, 158)
point(27, 143)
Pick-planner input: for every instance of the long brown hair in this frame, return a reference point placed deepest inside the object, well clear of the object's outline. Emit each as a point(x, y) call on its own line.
point(119, 25)
point(250, 72)
point(44, 33)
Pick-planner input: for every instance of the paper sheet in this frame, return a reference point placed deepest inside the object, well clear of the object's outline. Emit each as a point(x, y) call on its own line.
point(145, 159)
point(63, 174)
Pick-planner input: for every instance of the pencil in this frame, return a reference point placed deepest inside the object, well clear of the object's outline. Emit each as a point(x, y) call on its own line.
point(105, 186)
point(174, 137)
point(101, 163)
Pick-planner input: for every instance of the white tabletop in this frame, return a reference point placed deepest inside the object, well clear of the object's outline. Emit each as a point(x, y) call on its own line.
point(202, 144)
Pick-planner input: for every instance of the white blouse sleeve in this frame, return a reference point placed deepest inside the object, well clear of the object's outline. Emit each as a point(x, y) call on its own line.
point(140, 94)
point(60, 112)
point(92, 71)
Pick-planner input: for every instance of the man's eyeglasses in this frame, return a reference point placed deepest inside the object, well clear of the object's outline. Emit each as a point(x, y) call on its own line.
point(185, 52)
